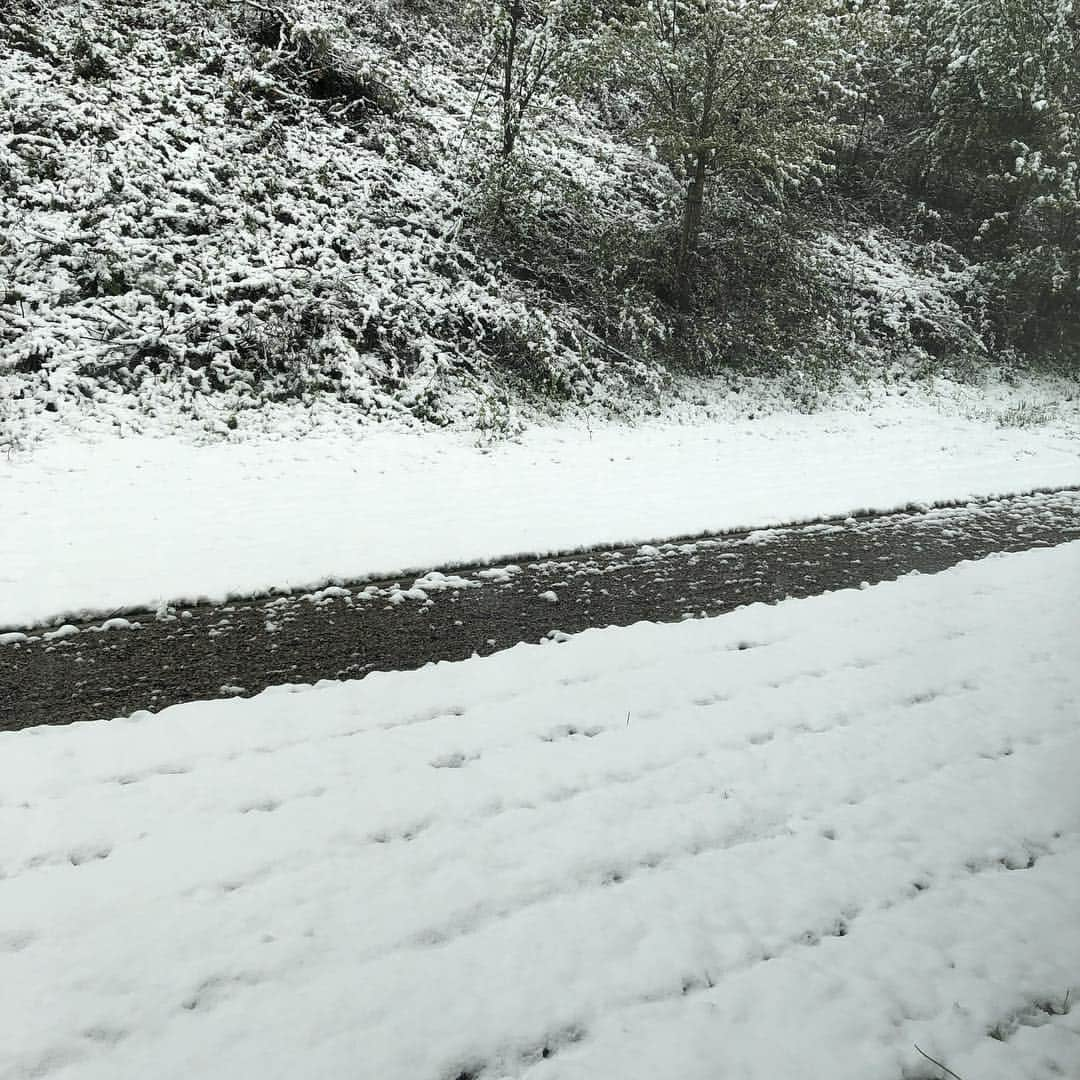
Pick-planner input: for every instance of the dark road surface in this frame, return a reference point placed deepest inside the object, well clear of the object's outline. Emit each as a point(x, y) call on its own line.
point(149, 662)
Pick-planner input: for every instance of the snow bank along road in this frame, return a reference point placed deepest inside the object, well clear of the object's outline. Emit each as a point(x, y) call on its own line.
point(789, 841)
point(125, 523)
point(150, 661)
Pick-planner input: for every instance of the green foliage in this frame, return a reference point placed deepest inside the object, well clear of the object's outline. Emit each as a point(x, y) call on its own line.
point(736, 89)
point(1007, 112)
point(751, 85)
point(977, 119)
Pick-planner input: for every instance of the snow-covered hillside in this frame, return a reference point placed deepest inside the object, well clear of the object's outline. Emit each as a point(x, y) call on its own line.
point(201, 212)
point(207, 208)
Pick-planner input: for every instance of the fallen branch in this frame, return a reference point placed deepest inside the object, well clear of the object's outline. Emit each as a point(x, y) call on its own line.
point(604, 345)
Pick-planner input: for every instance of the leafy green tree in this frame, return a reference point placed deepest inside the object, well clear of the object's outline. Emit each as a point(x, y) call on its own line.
point(1006, 133)
point(531, 48)
point(978, 129)
point(740, 88)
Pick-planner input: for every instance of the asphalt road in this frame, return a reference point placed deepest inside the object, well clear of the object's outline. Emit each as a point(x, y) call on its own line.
point(344, 633)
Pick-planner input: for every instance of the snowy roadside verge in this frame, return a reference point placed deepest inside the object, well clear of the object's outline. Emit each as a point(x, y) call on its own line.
point(711, 848)
point(99, 527)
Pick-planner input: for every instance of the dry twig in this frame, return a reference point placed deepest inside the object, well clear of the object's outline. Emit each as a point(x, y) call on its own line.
point(944, 1068)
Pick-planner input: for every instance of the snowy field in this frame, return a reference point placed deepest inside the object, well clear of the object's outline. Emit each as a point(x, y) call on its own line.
point(105, 525)
point(790, 841)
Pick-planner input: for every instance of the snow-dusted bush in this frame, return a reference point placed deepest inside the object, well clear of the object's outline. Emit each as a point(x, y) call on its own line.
point(971, 128)
point(893, 300)
point(254, 204)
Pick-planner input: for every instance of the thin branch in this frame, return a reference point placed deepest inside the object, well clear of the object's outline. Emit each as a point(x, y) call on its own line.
point(605, 345)
point(275, 12)
point(476, 103)
point(944, 1068)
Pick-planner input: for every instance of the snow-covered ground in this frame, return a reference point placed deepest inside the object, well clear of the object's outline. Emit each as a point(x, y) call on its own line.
point(789, 841)
point(107, 524)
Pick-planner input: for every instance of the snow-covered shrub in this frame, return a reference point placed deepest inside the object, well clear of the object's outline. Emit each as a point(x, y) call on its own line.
point(1025, 414)
point(893, 301)
point(206, 207)
point(757, 298)
point(577, 240)
point(970, 129)
point(776, 296)
point(1036, 301)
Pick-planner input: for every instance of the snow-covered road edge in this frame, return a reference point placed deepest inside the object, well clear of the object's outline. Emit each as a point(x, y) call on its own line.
point(787, 841)
point(124, 524)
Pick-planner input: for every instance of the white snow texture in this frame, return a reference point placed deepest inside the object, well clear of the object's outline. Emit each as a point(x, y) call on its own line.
point(100, 527)
point(790, 841)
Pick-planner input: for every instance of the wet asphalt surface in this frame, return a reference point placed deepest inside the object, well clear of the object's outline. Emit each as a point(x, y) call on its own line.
point(153, 660)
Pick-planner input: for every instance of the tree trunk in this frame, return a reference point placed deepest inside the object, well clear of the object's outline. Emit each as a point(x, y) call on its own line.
point(690, 234)
point(510, 122)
